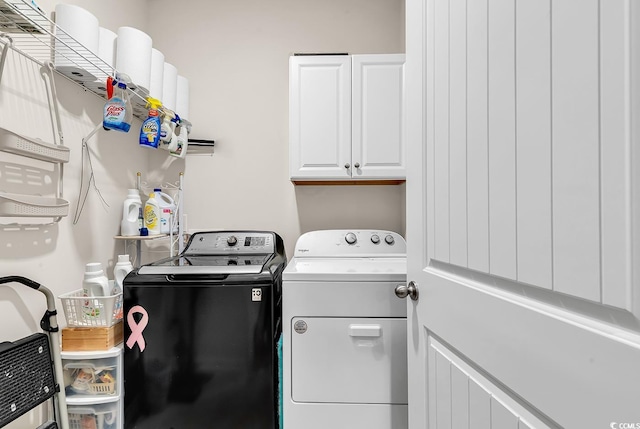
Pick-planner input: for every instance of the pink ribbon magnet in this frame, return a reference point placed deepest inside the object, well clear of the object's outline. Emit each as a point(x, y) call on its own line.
point(137, 328)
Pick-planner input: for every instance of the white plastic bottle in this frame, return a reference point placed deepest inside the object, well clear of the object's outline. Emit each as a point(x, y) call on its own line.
point(131, 207)
point(167, 210)
point(120, 271)
point(95, 283)
point(152, 215)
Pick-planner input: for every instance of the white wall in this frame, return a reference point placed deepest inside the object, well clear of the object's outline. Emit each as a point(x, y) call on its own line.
point(235, 54)
point(55, 255)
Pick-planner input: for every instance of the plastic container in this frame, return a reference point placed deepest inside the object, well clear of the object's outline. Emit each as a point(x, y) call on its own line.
point(95, 283)
point(120, 271)
point(118, 112)
point(150, 130)
point(130, 211)
point(82, 311)
point(100, 416)
point(179, 142)
point(86, 375)
point(152, 215)
point(167, 210)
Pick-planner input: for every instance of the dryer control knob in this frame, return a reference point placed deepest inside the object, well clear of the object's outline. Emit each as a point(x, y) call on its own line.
point(232, 240)
point(389, 239)
point(350, 238)
point(375, 239)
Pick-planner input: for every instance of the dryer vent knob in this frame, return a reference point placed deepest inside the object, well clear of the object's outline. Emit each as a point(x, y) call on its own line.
point(389, 239)
point(350, 238)
point(375, 239)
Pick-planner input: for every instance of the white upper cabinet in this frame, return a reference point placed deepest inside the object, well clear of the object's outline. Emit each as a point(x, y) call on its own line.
point(346, 117)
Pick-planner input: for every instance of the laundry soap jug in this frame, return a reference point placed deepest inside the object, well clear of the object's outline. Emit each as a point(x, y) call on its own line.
point(95, 283)
point(167, 210)
point(152, 215)
point(130, 210)
point(150, 130)
point(118, 112)
point(120, 271)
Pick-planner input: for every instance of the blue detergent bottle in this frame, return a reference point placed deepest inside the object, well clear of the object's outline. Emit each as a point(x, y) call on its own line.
point(150, 130)
point(118, 112)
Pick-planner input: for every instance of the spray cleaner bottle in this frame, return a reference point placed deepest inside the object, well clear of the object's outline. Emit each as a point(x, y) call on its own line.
point(118, 112)
point(180, 140)
point(167, 128)
point(150, 130)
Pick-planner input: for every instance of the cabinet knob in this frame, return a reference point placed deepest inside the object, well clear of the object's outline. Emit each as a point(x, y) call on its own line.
point(347, 166)
point(356, 165)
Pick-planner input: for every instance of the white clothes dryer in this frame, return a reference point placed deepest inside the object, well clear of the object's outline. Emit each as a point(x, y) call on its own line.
point(344, 332)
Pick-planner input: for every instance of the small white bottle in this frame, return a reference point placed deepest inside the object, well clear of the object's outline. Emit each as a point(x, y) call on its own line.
point(132, 204)
point(95, 283)
point(152, 215)
point(120, 271)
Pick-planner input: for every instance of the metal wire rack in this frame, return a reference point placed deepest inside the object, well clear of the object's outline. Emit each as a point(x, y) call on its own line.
point(26, 29)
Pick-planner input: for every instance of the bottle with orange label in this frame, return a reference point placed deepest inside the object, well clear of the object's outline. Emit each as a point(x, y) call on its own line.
point(150, 130)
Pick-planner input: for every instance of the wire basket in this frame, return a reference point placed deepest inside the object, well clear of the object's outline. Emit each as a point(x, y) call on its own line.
point(91, 311)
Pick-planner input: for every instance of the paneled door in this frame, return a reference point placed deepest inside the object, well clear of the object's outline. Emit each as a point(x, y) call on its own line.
point(523, 220)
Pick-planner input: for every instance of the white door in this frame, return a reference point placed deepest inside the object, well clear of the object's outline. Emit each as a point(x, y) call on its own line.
point(523, 222)
point(378, 138)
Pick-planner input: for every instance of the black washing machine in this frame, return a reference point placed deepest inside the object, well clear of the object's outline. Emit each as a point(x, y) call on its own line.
point(201, 332)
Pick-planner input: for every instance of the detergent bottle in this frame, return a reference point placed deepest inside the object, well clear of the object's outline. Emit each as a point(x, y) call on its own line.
point(120, 271)
point(95, 283)
point(150, 130)
point(118, 112)
point(130, 210)
point(152, 215)
point(167, 210)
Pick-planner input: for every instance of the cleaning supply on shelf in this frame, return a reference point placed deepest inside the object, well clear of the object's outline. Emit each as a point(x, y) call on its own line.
point(130, 212)
point(120, 271)
point(141, 221)
point(118, 112)
point(167, 128)
point(150, 130)
point(95, 283)
point(152, 215)
point(180, 140)
point(167, 210)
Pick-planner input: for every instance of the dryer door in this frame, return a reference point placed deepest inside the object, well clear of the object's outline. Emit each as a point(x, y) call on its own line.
point(349, 360)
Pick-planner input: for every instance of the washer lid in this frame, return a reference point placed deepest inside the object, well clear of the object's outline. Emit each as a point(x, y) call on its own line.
point(346, 269)
point(208, 264)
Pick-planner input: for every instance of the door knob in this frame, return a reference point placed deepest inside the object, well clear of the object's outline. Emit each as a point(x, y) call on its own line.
point(411, 290)
point(347, 166)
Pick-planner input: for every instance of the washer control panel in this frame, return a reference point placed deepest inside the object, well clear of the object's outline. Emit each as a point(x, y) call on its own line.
point(228, 242)
point(357, 242)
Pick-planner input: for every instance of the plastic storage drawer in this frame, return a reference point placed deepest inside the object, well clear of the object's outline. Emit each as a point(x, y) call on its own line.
point(95, 416)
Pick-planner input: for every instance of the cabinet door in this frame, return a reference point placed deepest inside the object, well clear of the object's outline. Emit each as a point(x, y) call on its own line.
point(378, 150)
point(320, 117)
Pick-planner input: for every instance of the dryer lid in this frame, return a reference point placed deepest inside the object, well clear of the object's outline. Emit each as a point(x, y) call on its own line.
point(346, 269)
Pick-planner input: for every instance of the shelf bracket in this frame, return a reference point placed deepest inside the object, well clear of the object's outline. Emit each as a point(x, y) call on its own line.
point(5, 49)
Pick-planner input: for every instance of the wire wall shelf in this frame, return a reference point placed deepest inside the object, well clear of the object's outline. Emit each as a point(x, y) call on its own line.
point(26, 29)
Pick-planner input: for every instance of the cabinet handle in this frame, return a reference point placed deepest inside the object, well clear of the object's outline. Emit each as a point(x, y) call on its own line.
point(347, 166)
point(356, 165)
